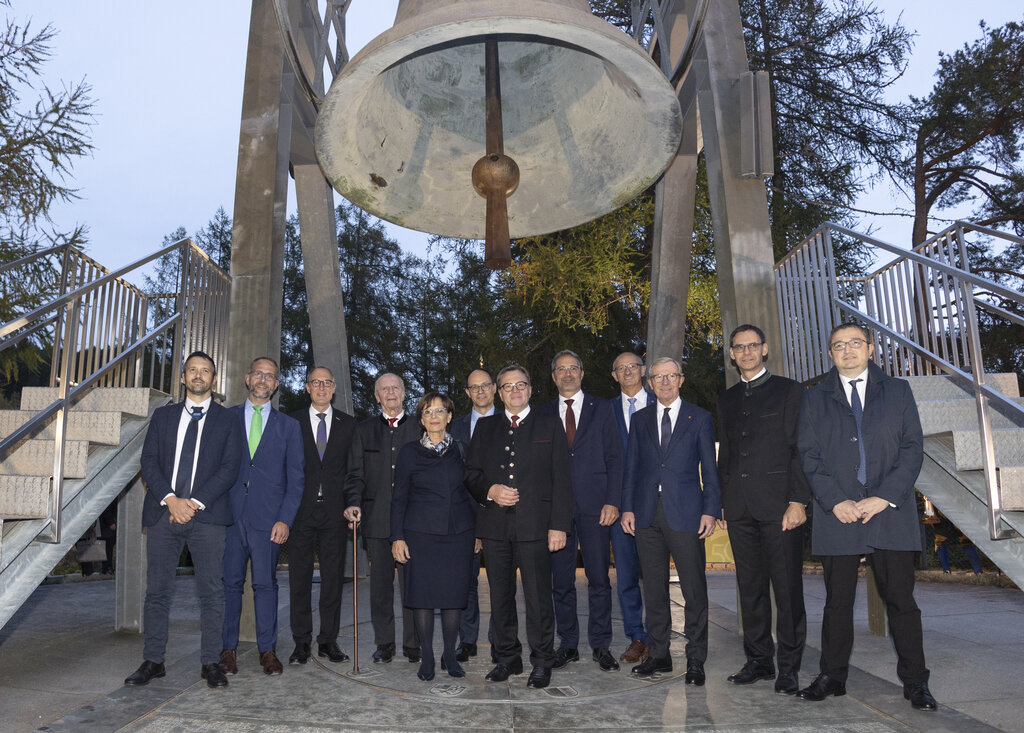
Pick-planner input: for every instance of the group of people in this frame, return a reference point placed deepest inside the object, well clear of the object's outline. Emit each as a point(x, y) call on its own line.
point(528, 487)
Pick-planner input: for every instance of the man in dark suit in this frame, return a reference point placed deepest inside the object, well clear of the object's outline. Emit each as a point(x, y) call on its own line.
point(595, 465)
point(382, 437)
point(189, 461)
point(480, 389)
point(264, 501)
point(628, 371)
point(764, 499)
point(330, 503)
point(518, 470)
point(670, 501)
point(861, 448)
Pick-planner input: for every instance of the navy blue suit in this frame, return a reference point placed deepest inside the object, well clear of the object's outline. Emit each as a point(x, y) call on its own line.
point(627, 562)
point(268, 490)
point(219, 455)
point(595, 466)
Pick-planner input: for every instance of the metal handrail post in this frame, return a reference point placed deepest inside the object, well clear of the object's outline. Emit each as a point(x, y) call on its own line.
point(57, 485)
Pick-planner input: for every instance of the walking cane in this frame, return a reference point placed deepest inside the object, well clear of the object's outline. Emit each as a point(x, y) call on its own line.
point(355, 600)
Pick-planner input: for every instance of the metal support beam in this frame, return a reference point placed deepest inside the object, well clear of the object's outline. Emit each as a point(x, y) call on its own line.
point(130, 560)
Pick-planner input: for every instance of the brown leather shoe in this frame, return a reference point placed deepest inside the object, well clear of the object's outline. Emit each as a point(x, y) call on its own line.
point(271, 664)
point(635, 652)
point(229, 661)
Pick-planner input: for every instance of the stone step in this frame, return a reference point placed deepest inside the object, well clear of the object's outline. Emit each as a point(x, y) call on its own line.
point(131, 400)
point(942, 416)
point(1011, 484)
point(97, 427)
point(940, 387)
point(24, 497)
point(1009, 448)
point(35, 458)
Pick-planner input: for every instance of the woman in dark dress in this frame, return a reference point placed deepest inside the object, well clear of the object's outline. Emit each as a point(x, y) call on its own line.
point(433, 522)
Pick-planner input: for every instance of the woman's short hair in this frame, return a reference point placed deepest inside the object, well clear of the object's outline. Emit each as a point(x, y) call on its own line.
point(428, 399)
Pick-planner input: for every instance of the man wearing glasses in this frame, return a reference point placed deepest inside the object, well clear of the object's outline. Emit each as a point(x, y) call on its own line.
point(264, 501)
point(670, 501)
point(764, 499)
point(628, 370)
point(330, 504)
point(518, 470)
point(861, 448)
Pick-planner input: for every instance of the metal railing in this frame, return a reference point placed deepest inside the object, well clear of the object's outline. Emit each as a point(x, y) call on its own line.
point(103, 331)
point(922, 307)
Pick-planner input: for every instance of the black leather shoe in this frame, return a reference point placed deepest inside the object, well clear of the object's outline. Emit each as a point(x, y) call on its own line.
point(411, 653)
point(752, 672)
point(465, 652)
point(502, 672)
point(651, 665)
point(605, 660)
point(920, 696)
point(214, 675)
point(146, 671)
point(384, 654)
point(300, 655)
point(540, 677)
point(453, 668)
point(331, 651)
point(563, 656)
point(786, 683)
point(694, 672)
point(822, 687)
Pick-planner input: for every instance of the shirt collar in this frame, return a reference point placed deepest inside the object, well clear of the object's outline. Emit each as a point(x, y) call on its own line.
point(205, 404)
point(313, 412)
point(756, 377)
point(846, 380)
point(577, 399)
point(522, 415)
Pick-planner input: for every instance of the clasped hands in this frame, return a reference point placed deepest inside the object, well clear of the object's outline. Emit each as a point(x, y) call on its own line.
point(851, 511)
point(182, 510)
point(503, 495)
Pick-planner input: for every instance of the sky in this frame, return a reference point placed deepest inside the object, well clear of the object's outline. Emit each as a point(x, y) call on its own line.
point(167, 83)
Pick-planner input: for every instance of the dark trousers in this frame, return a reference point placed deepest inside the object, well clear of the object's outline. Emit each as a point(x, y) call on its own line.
point(534, 562)
point(764, 553)
point(164, 543)
point(303, 539)
point(894, 576)
point(655, 544)
point(627, 583)
point(382, 595)
point(593, 542)
point(245, 543)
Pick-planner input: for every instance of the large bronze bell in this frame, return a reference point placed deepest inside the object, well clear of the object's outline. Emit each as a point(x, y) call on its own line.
point(462, 94)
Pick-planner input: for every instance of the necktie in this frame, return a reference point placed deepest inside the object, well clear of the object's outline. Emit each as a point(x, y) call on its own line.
point(183, 483)
point(570, 422)
point(255, 429)
point(321, 435)
point(666, 430)
point(515, 421)
point(632, 405)
point(392, 421)
point(858, 417)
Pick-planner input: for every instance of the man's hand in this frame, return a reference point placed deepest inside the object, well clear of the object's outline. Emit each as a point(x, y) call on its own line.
point(795, 515)
point(628, 523)
point(707, 526)
point(503, 495)
point(400, 551)
point(609, 514)
point(847, 512)
point(354, 515)
point(279, 533)
point(722, 524)
point(871, 506)
point(556, 540)
point(182, 510)
point(478, 546)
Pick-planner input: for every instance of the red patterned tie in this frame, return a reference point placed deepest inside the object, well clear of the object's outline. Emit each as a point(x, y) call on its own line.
point(392, 421)
point(515, 421)
point(570, 422)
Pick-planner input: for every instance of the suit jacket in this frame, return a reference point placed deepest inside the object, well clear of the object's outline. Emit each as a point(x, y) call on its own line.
point(339, 474)
point(217, 465)
point(893, 446)
point(679, 471)
point(533, 458)
point(430, 495)
point(270, 483)
point(595, 456)
point(460, 429)
point(758, 461)
point(644, 398)
point(381, 445)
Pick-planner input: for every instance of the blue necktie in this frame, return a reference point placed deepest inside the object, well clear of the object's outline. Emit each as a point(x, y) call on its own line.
point(321, 435)
point(183, 484)
point(666, 430)
point(858, 417)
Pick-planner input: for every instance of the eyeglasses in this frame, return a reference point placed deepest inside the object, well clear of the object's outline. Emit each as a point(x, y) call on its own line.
point(566, 369)
point(839, 346)
point(320, 382)
point(268, 376)
point(479, 387)
point(657, 378)
point(435, 411)
point(743, 348)
point(625, 368)
point(514, 386)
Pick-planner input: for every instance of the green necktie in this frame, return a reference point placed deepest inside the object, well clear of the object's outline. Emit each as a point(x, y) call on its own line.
point(255, 429)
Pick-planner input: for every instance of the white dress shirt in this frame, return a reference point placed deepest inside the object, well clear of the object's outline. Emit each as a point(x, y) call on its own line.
point(314, 421)
point(673, 415)
point(861, 386)
point(522, 415)
point(639, 403)
point(183, 423)
point(755, 377)
point(577, 407)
